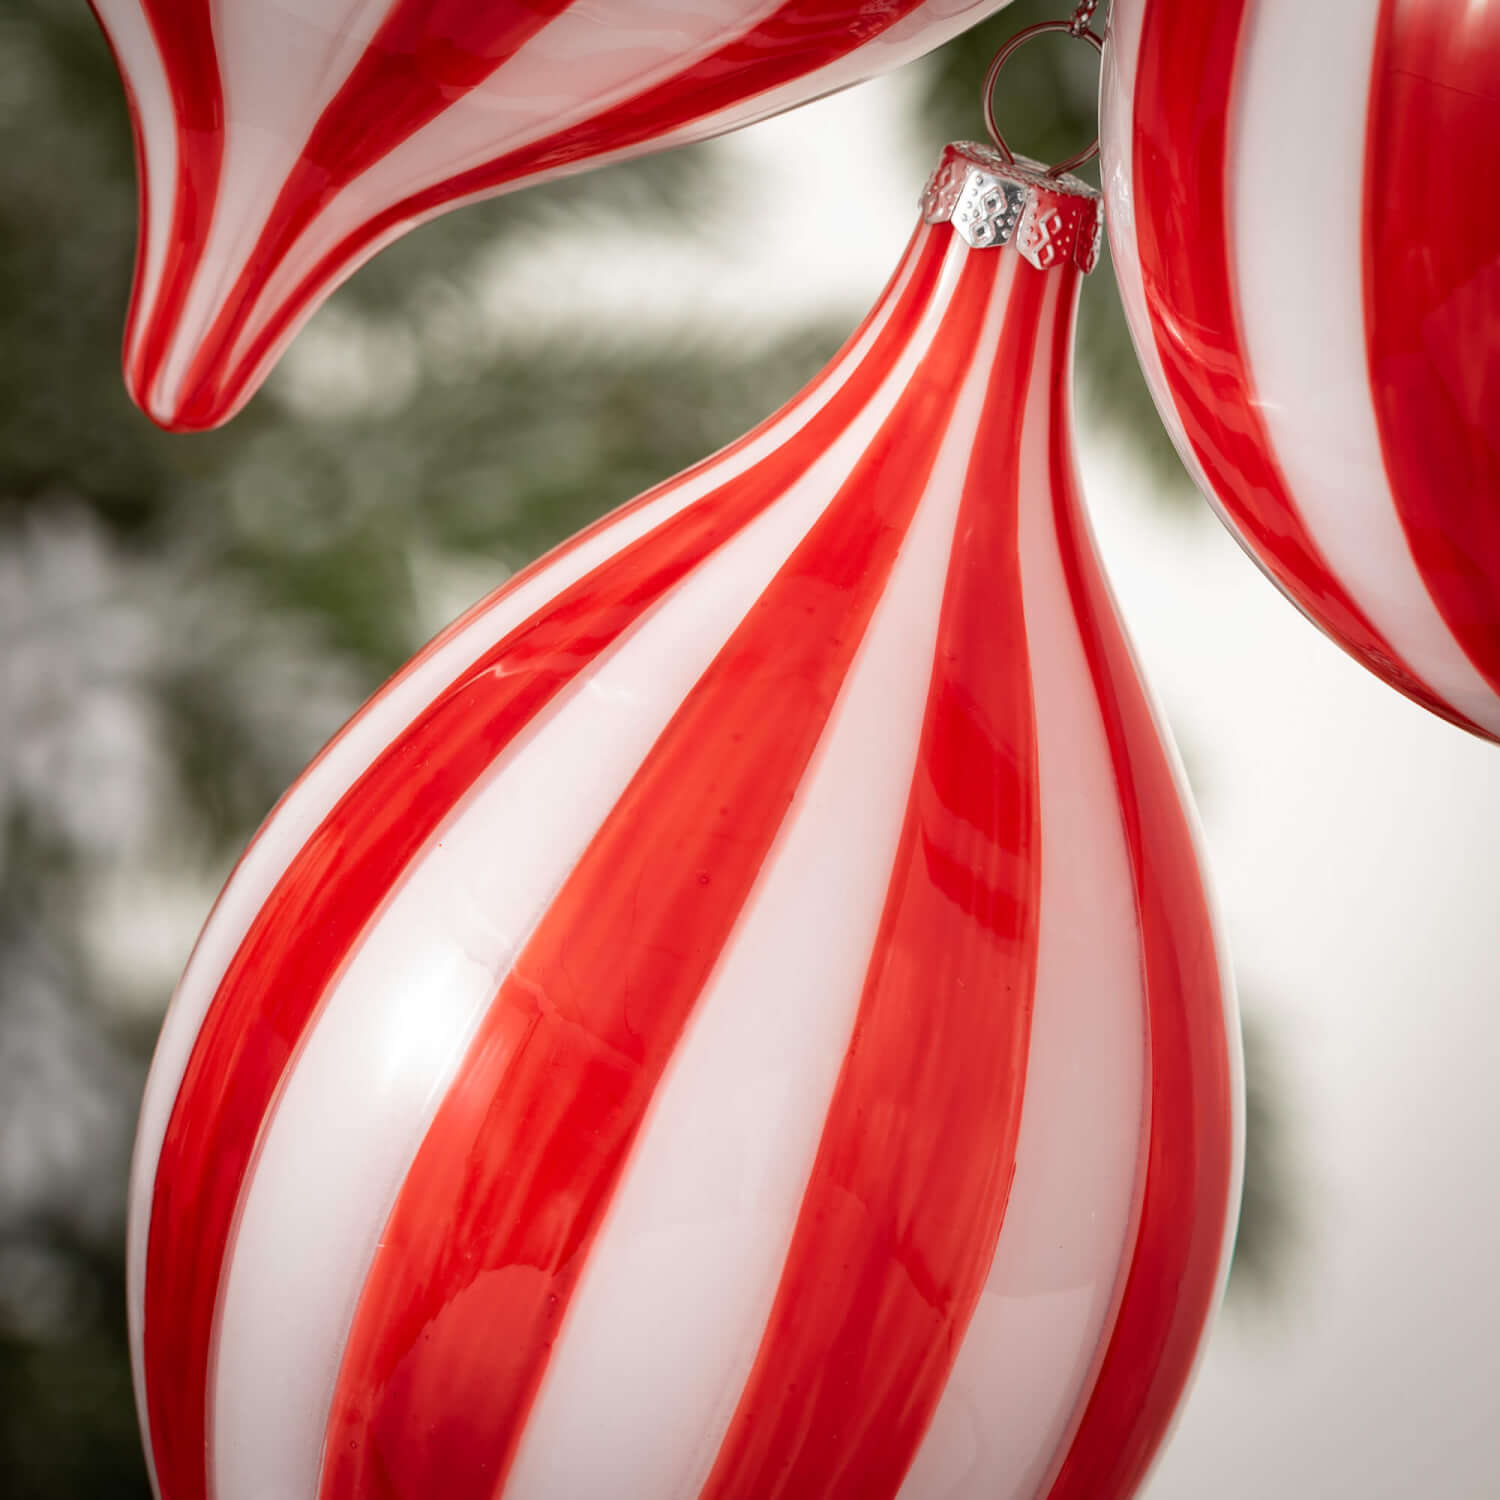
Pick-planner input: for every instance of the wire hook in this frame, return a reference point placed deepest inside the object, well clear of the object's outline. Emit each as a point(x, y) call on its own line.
point(1077, 27)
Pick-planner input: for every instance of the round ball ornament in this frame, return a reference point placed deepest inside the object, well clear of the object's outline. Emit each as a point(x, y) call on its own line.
point(740, 1014)
point(1307, 238)
point(281, 145)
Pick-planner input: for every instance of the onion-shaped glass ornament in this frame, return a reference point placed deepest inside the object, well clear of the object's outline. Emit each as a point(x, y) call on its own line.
point(280, 145)
point(740, 1015)
point(1305, 227)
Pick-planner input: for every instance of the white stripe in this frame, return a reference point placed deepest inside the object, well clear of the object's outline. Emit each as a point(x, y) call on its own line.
point(358, 1099)
point(320, 787)
point(1116, 165)
point(669, 1313)
point(1026, 1359)
point(280, 62)
point(1303, 84)
point(145, 75)
point(917, 33)
point(592, 56)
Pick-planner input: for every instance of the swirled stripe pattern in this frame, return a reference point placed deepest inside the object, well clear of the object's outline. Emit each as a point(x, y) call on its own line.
point(739, 1016)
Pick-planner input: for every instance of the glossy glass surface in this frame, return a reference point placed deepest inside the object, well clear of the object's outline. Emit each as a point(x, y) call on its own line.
point(280, 146)
point(1310, 257)
point(740, 1015)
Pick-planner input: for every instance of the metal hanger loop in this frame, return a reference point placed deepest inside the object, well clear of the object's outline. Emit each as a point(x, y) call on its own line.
point(1077, 27)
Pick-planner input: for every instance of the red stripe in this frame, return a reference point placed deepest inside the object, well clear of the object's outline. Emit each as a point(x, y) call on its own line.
point(1170, 1288)
point(495, 1221)
point(1185, 80)
point(801, 37)
point(184, 36)
point(334, 886)
point(902, 1212)
point(1432, 300)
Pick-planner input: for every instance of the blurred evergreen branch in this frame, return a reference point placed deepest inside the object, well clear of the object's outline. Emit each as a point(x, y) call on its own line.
point(67, 1415)
point(1271, 1228)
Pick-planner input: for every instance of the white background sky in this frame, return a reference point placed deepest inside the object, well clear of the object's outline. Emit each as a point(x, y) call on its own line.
point(1355, 842)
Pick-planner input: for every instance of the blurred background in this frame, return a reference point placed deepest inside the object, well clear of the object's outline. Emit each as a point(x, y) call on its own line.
point(184, 620)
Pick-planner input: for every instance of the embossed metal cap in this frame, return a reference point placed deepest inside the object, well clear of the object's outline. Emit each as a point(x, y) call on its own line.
point(991, 202)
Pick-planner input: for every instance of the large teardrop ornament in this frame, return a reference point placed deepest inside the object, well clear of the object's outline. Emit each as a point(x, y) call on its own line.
point(739, 1015)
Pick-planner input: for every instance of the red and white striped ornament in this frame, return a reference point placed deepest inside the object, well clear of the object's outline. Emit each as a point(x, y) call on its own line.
point(1307, 236)
point(280, 145)
point(740, 1015)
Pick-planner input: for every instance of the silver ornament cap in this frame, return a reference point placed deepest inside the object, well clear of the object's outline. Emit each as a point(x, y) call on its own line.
point(991, 202)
